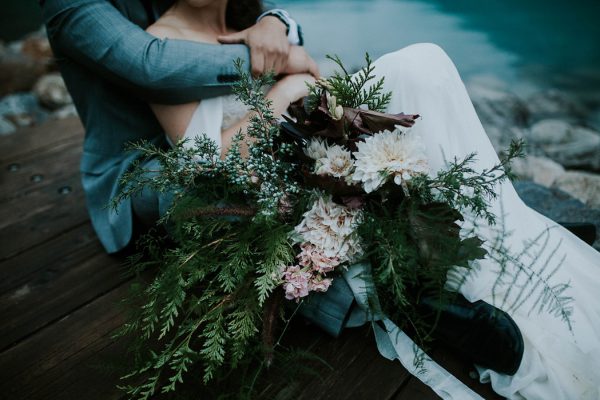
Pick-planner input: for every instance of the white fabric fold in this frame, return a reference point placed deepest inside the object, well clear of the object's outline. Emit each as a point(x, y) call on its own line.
point(207, 119)
point(394, 344)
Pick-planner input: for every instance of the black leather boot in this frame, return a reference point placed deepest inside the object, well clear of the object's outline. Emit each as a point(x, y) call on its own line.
point(478, 331)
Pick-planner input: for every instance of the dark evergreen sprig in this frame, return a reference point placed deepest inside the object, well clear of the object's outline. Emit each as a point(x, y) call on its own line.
point(462, 187)
point(266, 162)
point(205, 303)
point(352, 90)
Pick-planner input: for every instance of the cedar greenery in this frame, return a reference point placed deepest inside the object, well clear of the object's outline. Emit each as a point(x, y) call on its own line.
point(210, 301)
point(353, 90)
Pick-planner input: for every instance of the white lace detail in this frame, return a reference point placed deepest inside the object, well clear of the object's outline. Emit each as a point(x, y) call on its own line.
point(233, 111)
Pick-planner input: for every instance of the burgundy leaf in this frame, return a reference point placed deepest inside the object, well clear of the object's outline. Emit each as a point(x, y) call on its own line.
point(377, 122)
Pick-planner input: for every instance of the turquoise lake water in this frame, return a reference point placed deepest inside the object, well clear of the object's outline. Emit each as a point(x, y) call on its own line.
point(526, 43)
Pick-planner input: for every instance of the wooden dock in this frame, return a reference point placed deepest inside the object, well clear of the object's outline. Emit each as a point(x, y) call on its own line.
point(59, 293)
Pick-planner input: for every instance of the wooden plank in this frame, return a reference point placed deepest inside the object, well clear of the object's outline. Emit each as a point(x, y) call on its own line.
point(57, 289)
point(458, 367)
point(59, 253)
point(62, 361)
point(415, 389)
point(38, 138)
point(45, 214)
point(40, 169)
point(358, 370)
point(462, 369)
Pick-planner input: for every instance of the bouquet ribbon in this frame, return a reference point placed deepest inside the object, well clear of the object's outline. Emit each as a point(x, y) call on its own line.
point(393, 343)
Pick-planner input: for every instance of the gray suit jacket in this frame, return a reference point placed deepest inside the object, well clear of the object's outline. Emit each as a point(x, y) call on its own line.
point(113, 69)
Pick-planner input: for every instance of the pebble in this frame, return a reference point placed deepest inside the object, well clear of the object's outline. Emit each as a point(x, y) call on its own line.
point(570, 145)
point(52, 92)
point(6, 127)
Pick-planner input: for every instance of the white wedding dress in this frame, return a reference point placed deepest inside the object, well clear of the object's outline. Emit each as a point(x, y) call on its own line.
point(561, 359)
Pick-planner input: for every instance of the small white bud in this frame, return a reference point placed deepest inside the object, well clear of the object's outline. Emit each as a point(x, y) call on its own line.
point(338, 113)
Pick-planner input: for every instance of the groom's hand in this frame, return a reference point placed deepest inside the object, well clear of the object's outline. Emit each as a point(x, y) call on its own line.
point(299, 62)
point(268, 42)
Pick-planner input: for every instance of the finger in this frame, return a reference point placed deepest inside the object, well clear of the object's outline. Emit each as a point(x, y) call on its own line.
point(279, 66)
point(284, 54)
point(238, 37)
point(282, 60)
point(267, 62)
point(274, 62)
point(257, 62)
point(313, 68)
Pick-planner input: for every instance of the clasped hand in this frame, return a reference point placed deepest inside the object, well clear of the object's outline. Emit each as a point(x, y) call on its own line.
point(270, 49)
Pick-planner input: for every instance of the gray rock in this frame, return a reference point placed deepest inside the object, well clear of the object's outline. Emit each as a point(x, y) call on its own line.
point(22, 109)
point(18, 72)
point(37, 47)
point(540, 170)
point(552, 103)
point(502, 136)
point(51, 91)
point(503, 115)
point(19, 103)
point(570, 145)
point(64, 112)
point(558, 205)
point(6, 127)
point(497, 107)
point(582, 185)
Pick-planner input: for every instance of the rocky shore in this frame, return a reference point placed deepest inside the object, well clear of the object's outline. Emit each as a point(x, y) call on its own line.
point(560, 177)
point(31, 89)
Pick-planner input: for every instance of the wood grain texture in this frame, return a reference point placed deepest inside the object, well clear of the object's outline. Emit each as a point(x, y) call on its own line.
point(28, 141)
point(64, 360)
point(59, 295)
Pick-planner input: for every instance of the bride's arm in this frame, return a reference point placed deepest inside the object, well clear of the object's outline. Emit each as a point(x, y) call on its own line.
point(282, 94)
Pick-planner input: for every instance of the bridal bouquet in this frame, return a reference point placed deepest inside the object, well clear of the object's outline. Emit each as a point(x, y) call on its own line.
point(340, 181)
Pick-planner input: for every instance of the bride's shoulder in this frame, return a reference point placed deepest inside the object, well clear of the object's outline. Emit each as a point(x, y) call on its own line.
point(170, 27)
point(166, 29)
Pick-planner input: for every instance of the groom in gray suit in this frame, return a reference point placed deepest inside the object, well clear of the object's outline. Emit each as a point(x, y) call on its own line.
point(114, 69)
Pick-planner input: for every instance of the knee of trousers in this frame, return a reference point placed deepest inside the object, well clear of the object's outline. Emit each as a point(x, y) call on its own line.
point(418, 64)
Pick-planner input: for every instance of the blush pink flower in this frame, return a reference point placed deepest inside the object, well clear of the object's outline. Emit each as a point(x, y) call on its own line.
point(312, 257)
point(319, 284)
point(296, 282)
point(330, 227)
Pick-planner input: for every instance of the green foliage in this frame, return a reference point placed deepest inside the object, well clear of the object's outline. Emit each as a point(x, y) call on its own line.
point(210, 299)
point(525, 276)
point(352, 90)
point(263, 177)
point(463, 188)
point(205, 303)
point(206, 300)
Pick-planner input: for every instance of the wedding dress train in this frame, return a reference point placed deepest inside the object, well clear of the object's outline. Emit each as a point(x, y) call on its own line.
point(562, 357)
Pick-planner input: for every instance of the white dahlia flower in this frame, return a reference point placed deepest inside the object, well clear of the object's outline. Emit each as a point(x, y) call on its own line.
point(330, 227)
point(316, 149)
point(337, 162)
point(385, 154)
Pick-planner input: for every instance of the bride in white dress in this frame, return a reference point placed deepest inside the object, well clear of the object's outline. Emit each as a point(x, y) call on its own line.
point(561, 358)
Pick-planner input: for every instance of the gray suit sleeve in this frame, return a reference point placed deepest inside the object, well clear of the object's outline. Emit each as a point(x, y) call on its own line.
point(94, 33)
